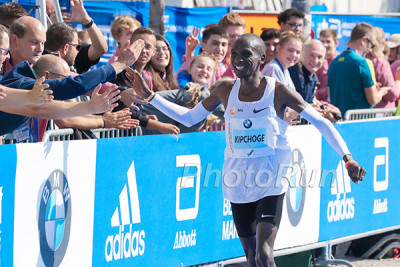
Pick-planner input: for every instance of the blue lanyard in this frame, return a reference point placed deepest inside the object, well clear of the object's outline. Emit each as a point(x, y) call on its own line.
point(280, 65)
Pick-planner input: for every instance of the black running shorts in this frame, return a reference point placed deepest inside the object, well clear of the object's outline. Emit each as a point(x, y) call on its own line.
point(247, 215)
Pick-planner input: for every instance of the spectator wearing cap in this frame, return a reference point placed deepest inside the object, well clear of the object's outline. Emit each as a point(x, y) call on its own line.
point(393, 43)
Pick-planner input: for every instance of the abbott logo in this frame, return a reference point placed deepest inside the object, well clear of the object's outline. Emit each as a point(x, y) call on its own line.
point(381, 160)
point(341, 208)
point(187, 181)
point(126, 244)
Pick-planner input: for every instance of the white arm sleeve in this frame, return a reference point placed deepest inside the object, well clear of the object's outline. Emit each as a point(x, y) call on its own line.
point(327, 130)
point(187, 117)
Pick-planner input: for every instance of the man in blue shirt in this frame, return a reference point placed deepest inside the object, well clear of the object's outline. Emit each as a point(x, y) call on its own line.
point(304, 74)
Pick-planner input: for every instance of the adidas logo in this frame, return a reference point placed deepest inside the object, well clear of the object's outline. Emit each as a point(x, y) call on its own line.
point(126, 244)
point(341, 208)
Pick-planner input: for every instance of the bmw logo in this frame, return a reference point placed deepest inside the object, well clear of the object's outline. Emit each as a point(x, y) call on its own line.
point(247, 124)
point(295, 197)
point(54, 218)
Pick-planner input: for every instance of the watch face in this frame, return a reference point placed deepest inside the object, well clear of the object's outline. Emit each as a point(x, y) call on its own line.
point(295, 196)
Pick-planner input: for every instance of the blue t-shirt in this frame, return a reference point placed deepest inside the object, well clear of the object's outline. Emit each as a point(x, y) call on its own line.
point(304, 82)
point(348, 76)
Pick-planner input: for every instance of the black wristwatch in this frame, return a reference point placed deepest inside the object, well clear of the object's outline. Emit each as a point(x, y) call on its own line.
point(87, 26)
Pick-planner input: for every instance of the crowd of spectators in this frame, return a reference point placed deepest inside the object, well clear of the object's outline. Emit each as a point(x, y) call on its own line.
point(49, 75)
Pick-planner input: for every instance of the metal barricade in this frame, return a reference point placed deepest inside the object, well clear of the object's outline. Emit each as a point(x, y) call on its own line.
point(58, 135)
point(9, 139)
point(371, 113)
point(114, 133)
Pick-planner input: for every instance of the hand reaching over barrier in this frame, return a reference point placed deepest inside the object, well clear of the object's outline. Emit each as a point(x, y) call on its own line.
point(128, 55)
point(39, 95)
point(104, 102)
point(120, 119)
point(136, 81)
point(129, 98)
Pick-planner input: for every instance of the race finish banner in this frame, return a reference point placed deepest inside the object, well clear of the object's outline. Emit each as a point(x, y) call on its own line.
point(145, 200)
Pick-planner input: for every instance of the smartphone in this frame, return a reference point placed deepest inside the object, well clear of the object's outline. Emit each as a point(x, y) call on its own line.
point(66, 4)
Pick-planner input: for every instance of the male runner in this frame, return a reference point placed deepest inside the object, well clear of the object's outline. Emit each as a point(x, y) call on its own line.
point(253, 105)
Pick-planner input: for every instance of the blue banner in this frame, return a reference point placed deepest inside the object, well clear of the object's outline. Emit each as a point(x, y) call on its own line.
point(161, 203)
point(347, 208)
point(8, 155)
point(344, 24)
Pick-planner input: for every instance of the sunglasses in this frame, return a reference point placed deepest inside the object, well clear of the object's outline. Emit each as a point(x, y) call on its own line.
point(372, 44)
point(77, 46)
point(295, 25)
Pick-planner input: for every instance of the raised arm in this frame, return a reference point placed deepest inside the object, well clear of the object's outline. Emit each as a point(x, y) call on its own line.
point(284, 96)
point(99, 44)
point(187, 117)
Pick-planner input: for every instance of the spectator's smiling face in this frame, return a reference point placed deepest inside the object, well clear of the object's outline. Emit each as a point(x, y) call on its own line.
point(202, 70)
point(289, 53)
point(294, 24)
point(161, 58)
point(216, 45)
point(313, 57)
point(330, 45)
point(148, 50)
point(270, 47)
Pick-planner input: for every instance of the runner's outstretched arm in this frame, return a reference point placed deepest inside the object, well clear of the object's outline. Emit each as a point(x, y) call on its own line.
point(287, 97)
point(187, 117)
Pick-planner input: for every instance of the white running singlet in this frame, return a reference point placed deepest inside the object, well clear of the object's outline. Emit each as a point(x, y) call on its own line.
point(252, 156)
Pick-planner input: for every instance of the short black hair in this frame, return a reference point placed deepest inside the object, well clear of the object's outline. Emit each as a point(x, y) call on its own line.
point(10, 12)
point(58, 35)
point(270, 33)
point(214, 29)
point(291, 12)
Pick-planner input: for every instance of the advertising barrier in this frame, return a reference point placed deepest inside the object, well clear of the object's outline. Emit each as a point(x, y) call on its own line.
point(150, 199)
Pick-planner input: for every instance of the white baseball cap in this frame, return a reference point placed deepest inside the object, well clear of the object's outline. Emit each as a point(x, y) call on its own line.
point(393, 41)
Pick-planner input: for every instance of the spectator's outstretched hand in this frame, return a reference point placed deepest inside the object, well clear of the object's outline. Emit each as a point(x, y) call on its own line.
point(129, 98)
point(136, 81)
point(66, 17)
point(167, 128)
point(104, 102)
point(120, 119)
point(78, 13)
point(192, 41)
point(129, 53)
point(356, 172)
point(39, 95)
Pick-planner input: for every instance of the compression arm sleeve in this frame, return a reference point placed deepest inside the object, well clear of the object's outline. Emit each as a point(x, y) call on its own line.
point(187, 117)
point(327, 130)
